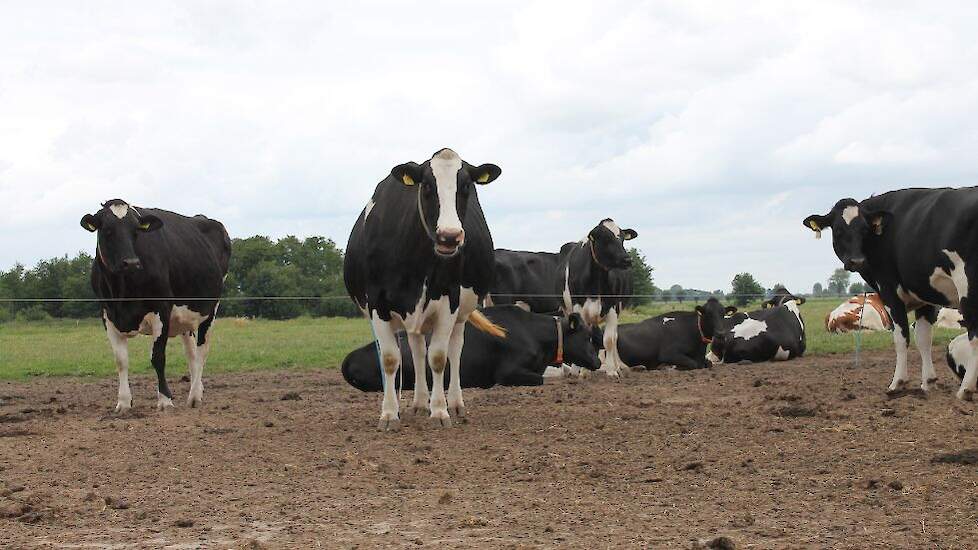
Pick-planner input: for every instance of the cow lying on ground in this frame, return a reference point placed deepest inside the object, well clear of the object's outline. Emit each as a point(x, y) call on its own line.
point(677, 338)
point(578, 279)
point(775, 333)
point(850, 315)
point(178, 265)
point(917, 248)
point(420, 259)
point(533, 342)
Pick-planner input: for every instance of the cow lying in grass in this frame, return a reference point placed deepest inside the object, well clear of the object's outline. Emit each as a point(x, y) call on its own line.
point(533, 342)
point(677, 338)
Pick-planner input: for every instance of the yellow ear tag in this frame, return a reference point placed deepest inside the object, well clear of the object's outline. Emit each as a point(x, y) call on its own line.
point(90, 227)
point(484, 178)
point(816, 228)
point(144, 226)
point(408, 180)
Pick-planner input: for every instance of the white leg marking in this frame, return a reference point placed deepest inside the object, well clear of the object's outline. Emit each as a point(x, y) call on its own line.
point(437, 358)
point(782, 354)
point(971, 373)
point(390, 360)
point(120, 349)
point(613, 365)
point(163, 402)
point(924, 337)
point(456, 405)
point(419, 354)
point(900, 374)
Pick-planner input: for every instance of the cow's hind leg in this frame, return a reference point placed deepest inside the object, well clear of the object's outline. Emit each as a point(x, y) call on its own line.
point(419, 354)
point(612, 365)
point(924, 337)
point(160, 325)
point(456, 405)
point(390, 361)
point(120, 350)
point(203, 348)
point(901, 331)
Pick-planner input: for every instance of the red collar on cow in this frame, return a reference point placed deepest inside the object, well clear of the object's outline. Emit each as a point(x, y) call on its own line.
point(699, 325)
point(559, 360)
point(594, 254)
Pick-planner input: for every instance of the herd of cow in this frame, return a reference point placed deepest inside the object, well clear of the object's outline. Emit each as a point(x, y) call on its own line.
point(421, 265)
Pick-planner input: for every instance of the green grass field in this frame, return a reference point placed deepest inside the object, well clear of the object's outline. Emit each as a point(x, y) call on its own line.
point(80, 348)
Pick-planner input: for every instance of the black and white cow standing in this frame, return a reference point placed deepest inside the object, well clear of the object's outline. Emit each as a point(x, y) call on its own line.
point(919, 249)
point(774, 333)
point(575, 280)
point(420, 258)
point(178, 265)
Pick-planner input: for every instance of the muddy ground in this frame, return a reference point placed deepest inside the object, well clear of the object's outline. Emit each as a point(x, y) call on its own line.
point(807, 454)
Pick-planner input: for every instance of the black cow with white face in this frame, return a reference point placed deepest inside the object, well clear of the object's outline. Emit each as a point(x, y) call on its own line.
point(420, 258)
point(580, 274)
point(178, 264)
point(676, 338)
point(919, 249)
point(533, 342)
point(774, 333)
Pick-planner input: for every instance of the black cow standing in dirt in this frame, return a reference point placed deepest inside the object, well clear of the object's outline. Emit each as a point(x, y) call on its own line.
point(533, 342)
point(576, 280)
point(774, 333)
point(420, 258)
point(919, 249)
point(677, 338)
point(178, 264)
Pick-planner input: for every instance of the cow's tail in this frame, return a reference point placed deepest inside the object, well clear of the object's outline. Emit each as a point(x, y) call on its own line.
point(481, 322)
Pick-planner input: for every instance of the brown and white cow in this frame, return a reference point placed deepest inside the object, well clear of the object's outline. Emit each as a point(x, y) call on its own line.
point(852, 314)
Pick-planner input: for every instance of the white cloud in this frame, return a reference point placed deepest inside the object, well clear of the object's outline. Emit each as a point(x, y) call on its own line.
point(711, 129)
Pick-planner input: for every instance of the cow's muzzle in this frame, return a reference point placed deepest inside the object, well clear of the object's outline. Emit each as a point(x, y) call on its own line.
point(131, 264)
point(449, 241)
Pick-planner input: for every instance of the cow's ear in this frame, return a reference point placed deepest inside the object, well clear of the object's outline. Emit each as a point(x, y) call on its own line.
point(730, 310)
point(799, 300)
point(90, 223)
point(409, 173)
point(699, 309)
point(484, 174)
point(149, 223)
point(817, 223)
point(628, 234)
point(574, 322)
point(879, 220)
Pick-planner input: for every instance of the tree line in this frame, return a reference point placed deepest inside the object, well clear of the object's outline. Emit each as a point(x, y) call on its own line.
point(311, 268)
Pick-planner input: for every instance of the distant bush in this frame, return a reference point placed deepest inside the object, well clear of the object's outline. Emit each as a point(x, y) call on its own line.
point(6, 315)
point(33, 313)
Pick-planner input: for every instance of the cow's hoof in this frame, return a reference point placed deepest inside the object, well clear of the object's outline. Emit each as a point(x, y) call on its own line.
point(458, 411)
point(418, 409)
point(584, 374)
point(389, 424)
point(195, 401)
point(441, 419)
point(965, 394)
point(163, 403)
point(123, 405)
point(896, 386)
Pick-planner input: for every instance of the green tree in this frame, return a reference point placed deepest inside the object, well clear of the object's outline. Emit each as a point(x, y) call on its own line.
point(839, 281)
point(858, 288)
point(745, 288)
point(641, 278)
point(817, 289)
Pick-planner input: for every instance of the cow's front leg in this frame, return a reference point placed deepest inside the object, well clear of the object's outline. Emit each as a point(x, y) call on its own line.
point(901, 331)
point(160, 324)
point(612, 365)
point(390, 361)
point(196, 396)
point(456, 405)
point(120, 350)
point(437, 357)
point(924, 337)
point(420, 357)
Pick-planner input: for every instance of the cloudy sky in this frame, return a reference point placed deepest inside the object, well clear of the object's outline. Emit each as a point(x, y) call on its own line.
point(712, 129)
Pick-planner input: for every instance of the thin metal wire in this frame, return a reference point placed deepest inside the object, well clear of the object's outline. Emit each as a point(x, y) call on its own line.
point(654, 297)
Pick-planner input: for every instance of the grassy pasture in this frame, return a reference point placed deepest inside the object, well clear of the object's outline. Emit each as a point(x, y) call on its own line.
point(79, 348)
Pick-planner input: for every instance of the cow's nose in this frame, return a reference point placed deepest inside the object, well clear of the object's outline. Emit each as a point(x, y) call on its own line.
point(450, 237)
point(855, 264)
point(132, 264)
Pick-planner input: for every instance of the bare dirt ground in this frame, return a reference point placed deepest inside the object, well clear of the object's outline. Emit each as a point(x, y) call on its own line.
point(806, 454)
